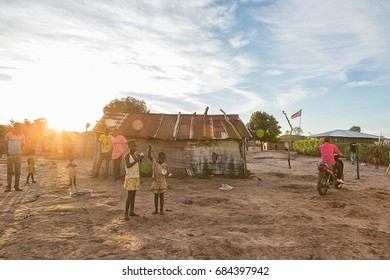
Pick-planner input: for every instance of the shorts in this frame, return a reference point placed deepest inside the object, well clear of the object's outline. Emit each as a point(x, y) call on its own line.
point(376, 160)
point(159, 187)
point(132, 184)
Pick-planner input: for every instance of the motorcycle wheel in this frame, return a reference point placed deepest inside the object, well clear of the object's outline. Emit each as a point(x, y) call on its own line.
point(322, 186)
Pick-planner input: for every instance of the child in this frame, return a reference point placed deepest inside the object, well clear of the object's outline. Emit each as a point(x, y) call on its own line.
point(30, 168)
point(72, 164)
point(132, 178)
point(159, 184)
point(376, 159)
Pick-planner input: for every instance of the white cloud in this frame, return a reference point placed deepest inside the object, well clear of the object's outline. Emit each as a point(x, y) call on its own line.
point(326, 39)
point(273, 72)
point(359, 84)
point(238, 42)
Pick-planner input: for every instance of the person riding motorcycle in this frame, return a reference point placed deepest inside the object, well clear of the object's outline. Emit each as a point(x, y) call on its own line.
point(328, 150)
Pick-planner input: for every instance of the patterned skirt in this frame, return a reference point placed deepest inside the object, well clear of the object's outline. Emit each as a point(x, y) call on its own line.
point(132, 184)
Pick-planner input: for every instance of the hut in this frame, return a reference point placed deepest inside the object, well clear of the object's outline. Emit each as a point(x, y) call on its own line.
point(194, 144)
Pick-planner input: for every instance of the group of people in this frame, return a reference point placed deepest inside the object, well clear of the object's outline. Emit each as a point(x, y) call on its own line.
point(112, 147)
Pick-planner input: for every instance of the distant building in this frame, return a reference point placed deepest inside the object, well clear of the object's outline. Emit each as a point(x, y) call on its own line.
point(286, 139)
point(347, 136)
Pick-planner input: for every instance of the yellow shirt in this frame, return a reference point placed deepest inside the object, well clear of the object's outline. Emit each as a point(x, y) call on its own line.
point(105, 143)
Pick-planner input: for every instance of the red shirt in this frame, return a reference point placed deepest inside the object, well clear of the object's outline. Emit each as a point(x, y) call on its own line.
point(327, 153)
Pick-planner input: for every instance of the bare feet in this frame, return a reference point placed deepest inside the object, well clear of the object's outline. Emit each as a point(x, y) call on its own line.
point(127, 218)
point(162, 213)
point(134, 215)
point(155, 212)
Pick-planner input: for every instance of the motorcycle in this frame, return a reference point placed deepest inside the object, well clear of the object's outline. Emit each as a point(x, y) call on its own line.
point(328, 175)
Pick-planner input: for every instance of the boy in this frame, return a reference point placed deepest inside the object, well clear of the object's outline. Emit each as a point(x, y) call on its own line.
point(72, 171)
point(376, 159)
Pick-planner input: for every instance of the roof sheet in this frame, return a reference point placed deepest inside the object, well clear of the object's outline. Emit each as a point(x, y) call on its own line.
point(346, 134)
point(174, 126)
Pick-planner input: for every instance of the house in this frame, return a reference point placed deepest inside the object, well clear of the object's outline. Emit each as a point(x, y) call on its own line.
point(347, 136)
point(194, 144)
point(286, 139)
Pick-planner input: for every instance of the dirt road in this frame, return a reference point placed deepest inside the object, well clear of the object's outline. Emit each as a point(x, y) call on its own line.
point(278, 217)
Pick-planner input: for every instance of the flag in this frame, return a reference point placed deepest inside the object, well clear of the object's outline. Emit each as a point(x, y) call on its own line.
point(297, 114)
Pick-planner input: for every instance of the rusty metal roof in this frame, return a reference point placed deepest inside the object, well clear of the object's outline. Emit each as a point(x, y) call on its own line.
point(174, 126)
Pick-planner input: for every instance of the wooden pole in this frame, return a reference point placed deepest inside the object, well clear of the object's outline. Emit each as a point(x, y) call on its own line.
point(289, 145)
point(357, 163)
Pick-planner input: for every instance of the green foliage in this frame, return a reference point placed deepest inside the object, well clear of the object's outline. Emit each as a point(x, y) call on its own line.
point(355, 128)
point(296, 131)
point(128, 104)
point(365, 152)
point(311, 148)
point(308, 147)
point(263, 127)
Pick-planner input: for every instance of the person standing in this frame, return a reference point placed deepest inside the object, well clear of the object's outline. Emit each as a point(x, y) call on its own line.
point(30, 167)
point(105, 152)
point(159, 184)
point(13, 146)
point(376, 158)
point(72, 164)
point(118, 148)
point(352, 150)
point(132, 179)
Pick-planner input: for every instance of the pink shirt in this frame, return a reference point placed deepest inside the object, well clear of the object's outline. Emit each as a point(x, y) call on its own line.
point(15, 143)
point(118, 146)
point(327, 153)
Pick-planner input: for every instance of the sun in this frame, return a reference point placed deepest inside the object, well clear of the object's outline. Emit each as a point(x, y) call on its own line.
point(61, 123)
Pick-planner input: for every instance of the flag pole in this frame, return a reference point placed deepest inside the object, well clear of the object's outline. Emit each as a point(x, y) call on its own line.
point(289, 145)
point(300, 120)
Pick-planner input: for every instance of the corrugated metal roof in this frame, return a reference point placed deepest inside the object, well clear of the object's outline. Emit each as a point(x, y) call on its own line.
point(345, 133)
point(174, 126)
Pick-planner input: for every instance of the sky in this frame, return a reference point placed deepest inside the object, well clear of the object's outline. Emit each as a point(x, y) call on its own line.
point(65, 60)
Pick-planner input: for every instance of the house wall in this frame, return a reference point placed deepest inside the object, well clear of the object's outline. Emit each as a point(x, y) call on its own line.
point(195, 157)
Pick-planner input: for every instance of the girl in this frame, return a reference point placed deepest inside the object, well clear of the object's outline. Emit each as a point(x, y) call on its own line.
point(159, 184)
point(132, 178)
point(30, 168)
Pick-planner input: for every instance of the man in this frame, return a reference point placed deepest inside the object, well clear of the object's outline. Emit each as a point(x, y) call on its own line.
point(13, 145)
point(352, 150)
point(118, 148)
point(328, 150)
point(105, 152)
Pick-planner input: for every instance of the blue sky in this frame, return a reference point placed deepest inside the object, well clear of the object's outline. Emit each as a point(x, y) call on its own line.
point(65, 60)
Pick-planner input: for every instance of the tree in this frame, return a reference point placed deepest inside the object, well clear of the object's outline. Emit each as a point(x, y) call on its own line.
point(264, 127)
point(128, 104)
point(355, 128)
point(296, 131)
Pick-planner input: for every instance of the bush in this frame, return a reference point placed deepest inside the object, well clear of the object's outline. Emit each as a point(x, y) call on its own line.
point(308, 147)
point(311, 148)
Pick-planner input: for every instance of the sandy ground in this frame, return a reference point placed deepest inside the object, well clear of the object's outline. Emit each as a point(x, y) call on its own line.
point(278, 217)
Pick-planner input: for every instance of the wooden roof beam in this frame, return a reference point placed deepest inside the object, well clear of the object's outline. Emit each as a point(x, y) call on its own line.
point(230, 123)
point(176, 130)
